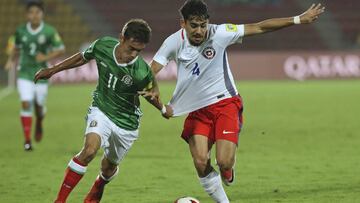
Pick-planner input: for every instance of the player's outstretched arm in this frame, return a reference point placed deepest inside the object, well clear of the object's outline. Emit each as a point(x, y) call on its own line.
point(40, 57)
point(71, 62)
point(153, 97)
point(155, 67)
point(270, 25)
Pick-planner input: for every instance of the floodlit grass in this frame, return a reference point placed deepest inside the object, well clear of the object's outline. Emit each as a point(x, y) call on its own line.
point(300, 143)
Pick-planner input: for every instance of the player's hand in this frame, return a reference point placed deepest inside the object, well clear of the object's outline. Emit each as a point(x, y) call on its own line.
point(152, 93)
point(312, 13)
point(44, 73)
point(169, 112)
point(40, 57)
point(9, 65)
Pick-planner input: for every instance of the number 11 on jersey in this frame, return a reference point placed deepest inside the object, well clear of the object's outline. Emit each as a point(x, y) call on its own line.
point(112, 81)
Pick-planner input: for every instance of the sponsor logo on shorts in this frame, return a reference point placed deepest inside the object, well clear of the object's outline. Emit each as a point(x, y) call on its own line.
point(93, 123)
point(209, 52)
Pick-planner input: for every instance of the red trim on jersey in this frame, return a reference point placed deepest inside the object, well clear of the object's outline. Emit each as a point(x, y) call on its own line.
point(182, 34)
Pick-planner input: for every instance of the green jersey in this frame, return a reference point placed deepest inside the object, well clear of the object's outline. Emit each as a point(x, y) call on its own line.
point(32, 42)
point(116, 93)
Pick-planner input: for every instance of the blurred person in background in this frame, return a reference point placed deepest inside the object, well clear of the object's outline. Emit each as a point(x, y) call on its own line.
point(205, 88)
point(36, 42)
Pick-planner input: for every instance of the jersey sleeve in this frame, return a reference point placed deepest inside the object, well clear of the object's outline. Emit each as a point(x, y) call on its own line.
point(17, 39)
point(10, 45)
point(229, 34)
point(56, 41)
point(166, 52)
point(88, 54)
point(148, 80)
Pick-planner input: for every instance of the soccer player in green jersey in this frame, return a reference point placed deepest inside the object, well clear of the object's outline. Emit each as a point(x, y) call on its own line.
point(114, 115)
point(36, 42)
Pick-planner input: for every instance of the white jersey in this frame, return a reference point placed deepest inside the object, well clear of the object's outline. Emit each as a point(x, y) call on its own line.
point(203, 73)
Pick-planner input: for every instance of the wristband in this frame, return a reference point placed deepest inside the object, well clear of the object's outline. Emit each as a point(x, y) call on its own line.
point(163, 109)
point(297, 20)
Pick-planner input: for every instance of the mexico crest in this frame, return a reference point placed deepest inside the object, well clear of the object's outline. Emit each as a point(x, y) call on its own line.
point(41, 39)
point(127, 80)
point(209, 52)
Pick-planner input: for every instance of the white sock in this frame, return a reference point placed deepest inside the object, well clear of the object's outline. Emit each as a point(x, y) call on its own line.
point(212, 185)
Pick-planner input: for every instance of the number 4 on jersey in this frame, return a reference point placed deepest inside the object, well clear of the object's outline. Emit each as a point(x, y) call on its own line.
point(196, 70)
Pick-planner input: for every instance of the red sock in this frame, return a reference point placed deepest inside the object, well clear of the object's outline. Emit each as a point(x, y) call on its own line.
point(227, 174)
point(71, 179)
point(26, 122)
point(97, 189)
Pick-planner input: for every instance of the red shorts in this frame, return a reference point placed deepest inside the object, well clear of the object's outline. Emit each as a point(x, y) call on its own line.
point(222, 120)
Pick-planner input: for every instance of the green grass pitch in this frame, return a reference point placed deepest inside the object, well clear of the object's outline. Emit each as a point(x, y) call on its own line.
point(300, 143)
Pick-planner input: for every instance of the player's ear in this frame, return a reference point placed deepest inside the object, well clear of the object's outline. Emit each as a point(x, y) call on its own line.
point(121, 38)
point(182, 22)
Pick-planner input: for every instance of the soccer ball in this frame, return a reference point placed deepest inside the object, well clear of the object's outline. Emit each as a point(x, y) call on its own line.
point(187, 200)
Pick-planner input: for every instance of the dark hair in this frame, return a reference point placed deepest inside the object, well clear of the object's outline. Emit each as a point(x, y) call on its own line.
point(138, 29)
point(196, 8)
point(38, 4)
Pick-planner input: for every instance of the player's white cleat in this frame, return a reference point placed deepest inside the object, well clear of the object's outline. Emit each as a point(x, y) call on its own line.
point(27, 146)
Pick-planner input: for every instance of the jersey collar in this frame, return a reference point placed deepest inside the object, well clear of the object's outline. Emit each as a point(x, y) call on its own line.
point(123, 64)
point(37, 30)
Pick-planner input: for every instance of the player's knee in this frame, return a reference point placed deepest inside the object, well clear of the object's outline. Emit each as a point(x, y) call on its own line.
point(87, 154)
point(225, 163)
point(40, 112)
point(109, 170)
point(201, 162)
point(26, 105)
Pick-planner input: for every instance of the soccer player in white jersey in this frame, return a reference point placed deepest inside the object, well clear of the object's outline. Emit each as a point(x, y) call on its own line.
point(206, 90)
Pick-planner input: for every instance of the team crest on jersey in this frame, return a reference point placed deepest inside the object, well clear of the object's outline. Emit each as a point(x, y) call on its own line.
point(24, 39)
point(93, 123)
point(209, 52)
point(127, 80)
point(41, 39)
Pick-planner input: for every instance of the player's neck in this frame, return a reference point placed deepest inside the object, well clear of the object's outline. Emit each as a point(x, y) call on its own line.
point(34, 26)
point(118, 57)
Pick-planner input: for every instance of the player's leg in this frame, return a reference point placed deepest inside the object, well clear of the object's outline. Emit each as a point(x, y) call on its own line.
point(77, 166)
point(41, 91)
point(209, 179)
point(108, 172)
point(227, 129)
point(26, 91)
point(120, 143)
point(200, 151)
point(198, 128)
point(98, 130)
point(225, 159)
